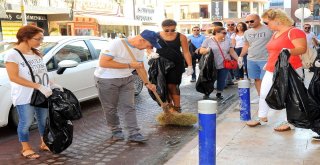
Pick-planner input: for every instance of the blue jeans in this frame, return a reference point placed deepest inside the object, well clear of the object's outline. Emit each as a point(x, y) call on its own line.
point(239, 73)
point(255, 69)
point(26, 114)
point(221, 79)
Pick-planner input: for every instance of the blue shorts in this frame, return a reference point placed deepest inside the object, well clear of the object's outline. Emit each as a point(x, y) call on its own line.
point(255, 69)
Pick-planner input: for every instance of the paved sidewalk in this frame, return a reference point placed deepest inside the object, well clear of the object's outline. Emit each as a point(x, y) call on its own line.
point(238, 144)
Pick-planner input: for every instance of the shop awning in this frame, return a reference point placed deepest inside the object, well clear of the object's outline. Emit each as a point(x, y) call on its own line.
point(114, 20)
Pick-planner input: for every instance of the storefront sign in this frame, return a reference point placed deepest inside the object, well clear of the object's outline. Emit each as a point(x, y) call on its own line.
point(217, 9)
point(144, 14)
point(30, 17)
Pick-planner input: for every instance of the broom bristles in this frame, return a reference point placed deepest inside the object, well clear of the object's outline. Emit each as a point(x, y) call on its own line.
point(179, 119)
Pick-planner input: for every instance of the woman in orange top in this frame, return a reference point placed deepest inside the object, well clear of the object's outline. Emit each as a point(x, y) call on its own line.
point(285, 37)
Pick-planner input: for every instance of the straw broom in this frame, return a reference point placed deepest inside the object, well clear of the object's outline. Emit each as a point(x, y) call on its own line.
point(169, 116)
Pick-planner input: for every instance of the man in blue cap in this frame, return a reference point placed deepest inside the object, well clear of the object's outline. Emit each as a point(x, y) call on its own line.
point(115, 82)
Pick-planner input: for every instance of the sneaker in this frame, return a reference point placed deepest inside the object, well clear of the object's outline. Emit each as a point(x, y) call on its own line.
point(193, 80)
point(255, 101)
point(137, 138)
point(219, 96)
point(316, 138)
point(205, 97)
point(117, 135)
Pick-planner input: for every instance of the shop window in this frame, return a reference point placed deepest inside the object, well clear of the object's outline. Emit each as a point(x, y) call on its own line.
point(255, 7)
point(233, 12)
point(183, 12)
point(204, 11)
point(245, 9)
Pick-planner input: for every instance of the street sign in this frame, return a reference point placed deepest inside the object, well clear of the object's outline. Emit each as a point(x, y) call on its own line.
point(298, 13)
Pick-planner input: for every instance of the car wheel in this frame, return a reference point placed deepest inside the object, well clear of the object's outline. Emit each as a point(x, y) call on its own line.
point(138, 85)
point(14, 119)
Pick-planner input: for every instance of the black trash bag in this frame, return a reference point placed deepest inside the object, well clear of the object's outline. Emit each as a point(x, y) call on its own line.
point(297, 101)
point(278, 91)
point(207, 75)
point(58, 132)
point(158, 69)
point(314, 92)
point(66, 104)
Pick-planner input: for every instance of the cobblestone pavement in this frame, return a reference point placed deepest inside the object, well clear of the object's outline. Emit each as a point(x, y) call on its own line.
point(92, 143)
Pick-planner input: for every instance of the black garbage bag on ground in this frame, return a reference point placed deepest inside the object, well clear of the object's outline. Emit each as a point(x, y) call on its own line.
point(278, 91)
point(314, 92)
point(158, 69)
point(58, 132)
point(208, 73)
point(297, 101)
point(66, 104)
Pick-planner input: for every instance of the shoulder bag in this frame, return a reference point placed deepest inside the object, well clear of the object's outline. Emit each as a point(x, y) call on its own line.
point(228, 64)
point(37, 99)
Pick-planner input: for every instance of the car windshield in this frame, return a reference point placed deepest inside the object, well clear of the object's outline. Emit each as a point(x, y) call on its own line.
point(44, 48)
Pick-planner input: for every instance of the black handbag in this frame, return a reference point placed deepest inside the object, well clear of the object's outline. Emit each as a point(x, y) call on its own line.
point(37, 99)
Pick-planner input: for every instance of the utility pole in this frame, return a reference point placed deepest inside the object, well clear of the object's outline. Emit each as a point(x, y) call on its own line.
point(23, 13)
point(303, 2)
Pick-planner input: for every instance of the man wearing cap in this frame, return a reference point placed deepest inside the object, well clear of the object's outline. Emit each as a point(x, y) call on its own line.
point(115, 82)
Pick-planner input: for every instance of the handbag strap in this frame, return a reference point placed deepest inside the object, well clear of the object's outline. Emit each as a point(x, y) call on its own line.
point(222, 54)
point(24, 59)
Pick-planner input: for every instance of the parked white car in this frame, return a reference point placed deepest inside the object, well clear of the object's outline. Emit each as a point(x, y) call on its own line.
point(75, 75)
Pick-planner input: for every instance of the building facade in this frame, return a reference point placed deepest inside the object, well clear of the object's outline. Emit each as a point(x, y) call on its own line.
point(38, 13)
point(202, 13)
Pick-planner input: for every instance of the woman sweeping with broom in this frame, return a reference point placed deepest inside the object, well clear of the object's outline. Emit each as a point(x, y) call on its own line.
point(171, 42)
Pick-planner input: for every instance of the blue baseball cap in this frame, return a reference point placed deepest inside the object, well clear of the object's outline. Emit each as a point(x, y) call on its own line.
point(152, 37)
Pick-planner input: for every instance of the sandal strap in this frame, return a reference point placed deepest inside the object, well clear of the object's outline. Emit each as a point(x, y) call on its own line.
point(287, 124)
point(260, 121)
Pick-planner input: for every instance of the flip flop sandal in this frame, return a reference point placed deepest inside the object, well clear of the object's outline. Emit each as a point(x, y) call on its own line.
point(44, 148)
point(32, 155)
point(257, 122)
point(288, 128)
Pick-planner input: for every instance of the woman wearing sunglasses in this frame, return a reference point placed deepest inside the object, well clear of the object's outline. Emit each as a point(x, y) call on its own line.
point(171, 43)
point(220, 45)
point(285, 37)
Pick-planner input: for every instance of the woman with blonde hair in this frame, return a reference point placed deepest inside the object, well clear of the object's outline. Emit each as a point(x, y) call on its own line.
point(285, 37)
point(222, 49)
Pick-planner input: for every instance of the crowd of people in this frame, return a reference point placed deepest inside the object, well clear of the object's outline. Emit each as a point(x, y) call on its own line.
point(255, 44)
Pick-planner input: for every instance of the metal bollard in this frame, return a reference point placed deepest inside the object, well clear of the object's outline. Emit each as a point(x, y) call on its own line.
point(207, 132)
point(244, 99)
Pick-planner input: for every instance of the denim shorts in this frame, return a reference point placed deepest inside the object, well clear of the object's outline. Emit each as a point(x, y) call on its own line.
point(255, 69)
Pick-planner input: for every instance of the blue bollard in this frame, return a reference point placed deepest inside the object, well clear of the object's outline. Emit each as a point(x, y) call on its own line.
point(207, 132)
point(244, 97)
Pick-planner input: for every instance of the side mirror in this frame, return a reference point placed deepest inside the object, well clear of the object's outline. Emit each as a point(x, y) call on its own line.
point(63, 65)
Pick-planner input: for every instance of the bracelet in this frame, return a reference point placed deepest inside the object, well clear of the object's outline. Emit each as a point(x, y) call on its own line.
point(129, 65)
point(146, 84)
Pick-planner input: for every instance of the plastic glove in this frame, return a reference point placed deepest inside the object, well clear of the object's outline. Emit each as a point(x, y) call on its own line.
point(153, 55)
point(240, 62)
point(317, 64)
point(189, 70)
point(53, 85)
point(45, 91)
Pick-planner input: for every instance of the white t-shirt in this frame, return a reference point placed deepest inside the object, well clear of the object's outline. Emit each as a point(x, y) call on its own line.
point(309, 39)
point(225, 47)
point(239, 40)
point(120, 54)
point(20, 94)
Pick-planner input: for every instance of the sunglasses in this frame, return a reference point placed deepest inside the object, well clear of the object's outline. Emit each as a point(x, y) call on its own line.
point(230, 24)
point(251, 21)
point(266, 23)
point(196, 30)
point(224, 33)
point(307, 27)
point(168, 30)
